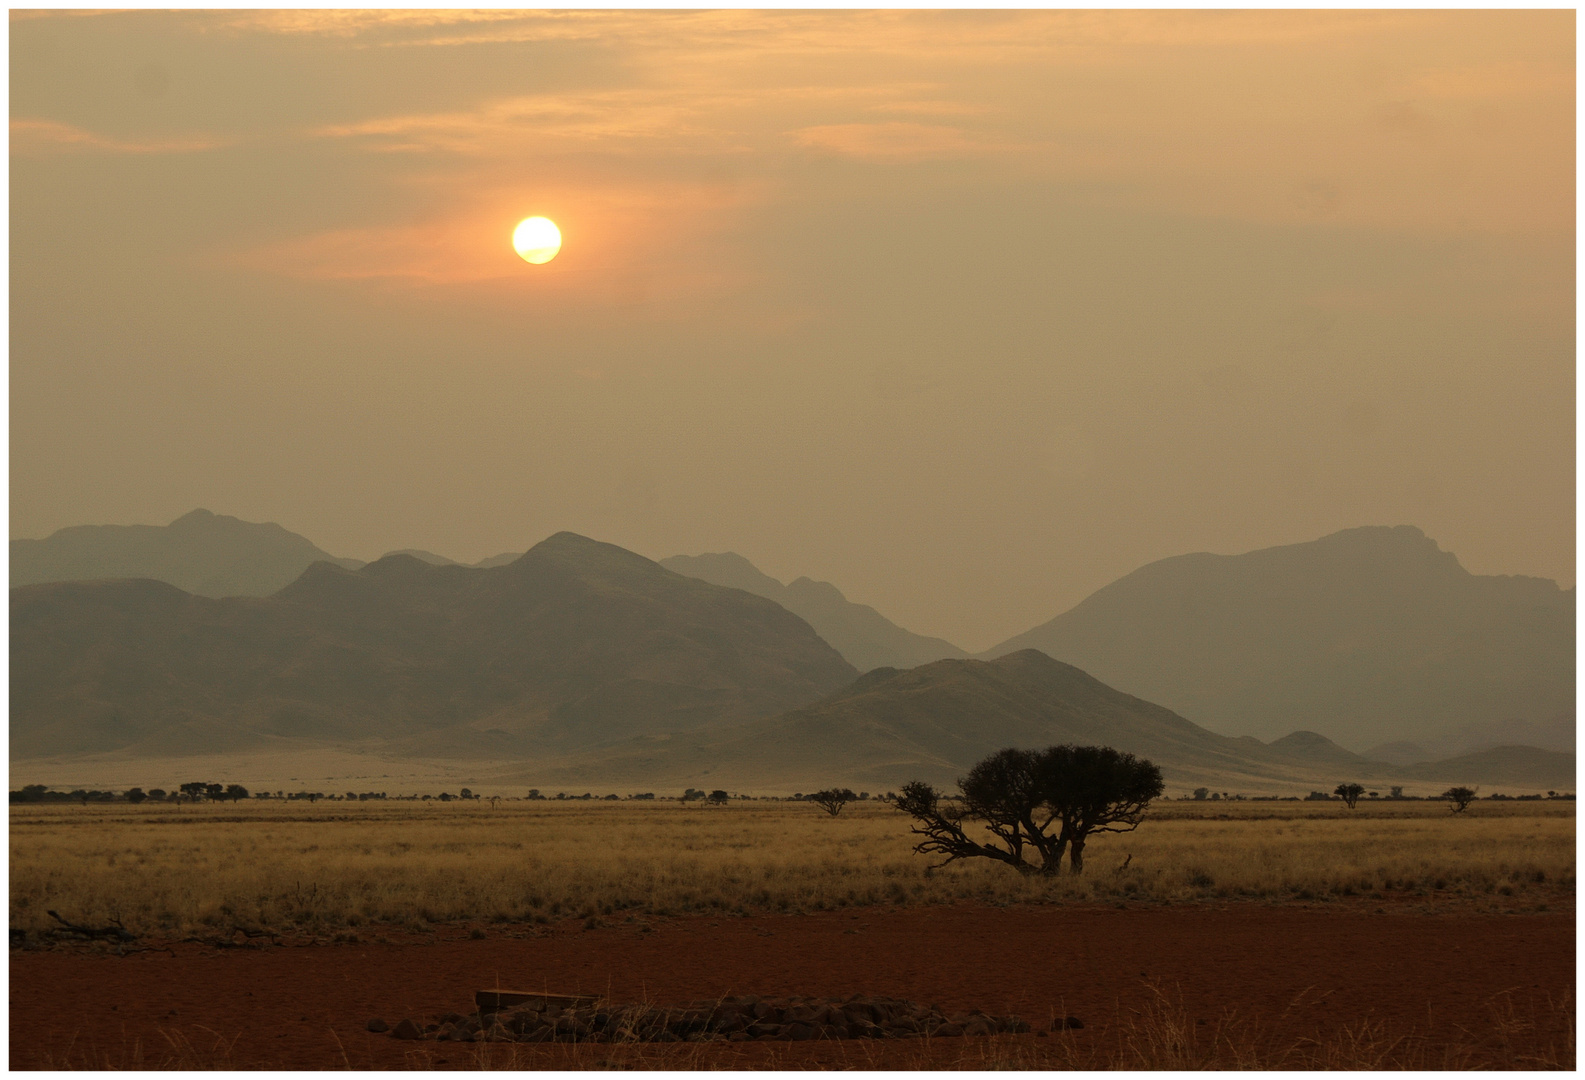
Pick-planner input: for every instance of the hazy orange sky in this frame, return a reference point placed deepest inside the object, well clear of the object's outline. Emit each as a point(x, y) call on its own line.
point(967, 313)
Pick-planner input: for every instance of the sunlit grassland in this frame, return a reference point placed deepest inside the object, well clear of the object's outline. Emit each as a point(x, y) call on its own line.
point(333, 868)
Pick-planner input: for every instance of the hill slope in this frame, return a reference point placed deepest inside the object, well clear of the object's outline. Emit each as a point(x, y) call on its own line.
point(575, 644)
point(201, 553)
point(1369, 635)
point(865, 637)
point(934, 721)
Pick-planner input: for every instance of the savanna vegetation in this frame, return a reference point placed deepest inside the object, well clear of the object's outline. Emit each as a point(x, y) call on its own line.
point(355, 867)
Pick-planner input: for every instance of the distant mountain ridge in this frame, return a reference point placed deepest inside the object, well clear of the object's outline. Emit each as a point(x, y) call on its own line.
point(1370, 635)
point(574, 644)
point(934, 721)
point(201, 553)
point(865, 637)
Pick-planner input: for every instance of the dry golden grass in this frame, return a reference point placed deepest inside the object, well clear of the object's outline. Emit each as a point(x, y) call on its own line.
point(332, 868)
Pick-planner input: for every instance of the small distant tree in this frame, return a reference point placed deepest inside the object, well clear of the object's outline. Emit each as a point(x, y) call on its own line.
point(1200, 793)
point(1459, 798)
point(235, 792)
point(718, 797)
point(832, 800)
point(81, 796)
point(1395, 791)
point(135, 795)
point(1349, 793)
point(465, 793)
point(214, 791)
point(195, 790)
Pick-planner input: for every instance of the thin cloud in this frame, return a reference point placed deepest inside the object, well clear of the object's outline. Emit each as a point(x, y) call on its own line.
point(43, 137)
point(889, 142)
point(657, 242)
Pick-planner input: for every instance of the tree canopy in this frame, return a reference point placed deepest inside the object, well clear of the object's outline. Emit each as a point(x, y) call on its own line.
point(1037, 805)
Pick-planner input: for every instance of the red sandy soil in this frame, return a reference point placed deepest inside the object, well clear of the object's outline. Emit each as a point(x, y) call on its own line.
point(1293, 972)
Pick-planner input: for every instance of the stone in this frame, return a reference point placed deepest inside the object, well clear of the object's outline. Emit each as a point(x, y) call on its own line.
point(377, 1025)
point(406, 1029)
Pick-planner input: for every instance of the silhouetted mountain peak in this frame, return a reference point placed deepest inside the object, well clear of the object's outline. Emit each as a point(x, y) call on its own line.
point(423, 556)
point(400, 564)
point(200, 552)
point(1371, 633)
point(860, 633)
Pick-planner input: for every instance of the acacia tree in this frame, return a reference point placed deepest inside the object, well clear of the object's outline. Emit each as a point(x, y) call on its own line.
point(832, 800)
point(1459, 798)
point(1350, 793)
point(1046, 802)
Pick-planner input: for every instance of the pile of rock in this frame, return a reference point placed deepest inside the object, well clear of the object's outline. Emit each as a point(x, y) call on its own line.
point(732, 1019)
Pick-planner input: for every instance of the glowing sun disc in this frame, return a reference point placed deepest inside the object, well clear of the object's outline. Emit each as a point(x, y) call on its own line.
point(536, 239)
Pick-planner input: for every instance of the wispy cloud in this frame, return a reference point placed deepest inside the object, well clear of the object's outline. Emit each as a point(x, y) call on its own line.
point(506, 126)
point(890, 142)
point(652, 242)
point(42, 137)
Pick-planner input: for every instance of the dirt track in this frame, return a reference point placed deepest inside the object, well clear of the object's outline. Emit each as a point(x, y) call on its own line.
point(1296, 972)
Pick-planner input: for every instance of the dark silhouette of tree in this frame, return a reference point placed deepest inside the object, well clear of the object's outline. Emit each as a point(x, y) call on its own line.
point(832, 800)
point(1200, 793)
point(135, 795)
point(195, 790)
point(717, 796)
point(157, 794)
point(1459, 798)
point(1349, 793)
point(1046, 802)
point(235, 792)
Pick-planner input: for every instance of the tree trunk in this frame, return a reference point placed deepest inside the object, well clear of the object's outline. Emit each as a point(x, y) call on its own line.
point(1076, 854)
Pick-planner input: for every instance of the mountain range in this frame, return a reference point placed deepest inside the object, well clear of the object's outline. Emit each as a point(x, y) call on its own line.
point(572, 645)
point(588, 660)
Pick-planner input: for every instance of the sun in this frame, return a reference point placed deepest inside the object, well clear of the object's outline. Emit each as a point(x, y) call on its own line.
point(536, 239)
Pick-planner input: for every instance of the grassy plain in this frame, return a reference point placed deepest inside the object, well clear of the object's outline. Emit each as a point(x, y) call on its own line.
point(338, 868)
